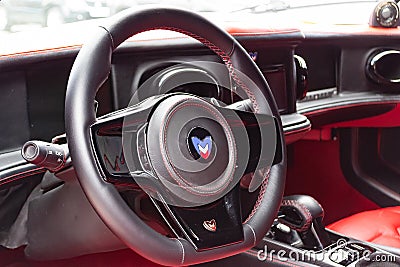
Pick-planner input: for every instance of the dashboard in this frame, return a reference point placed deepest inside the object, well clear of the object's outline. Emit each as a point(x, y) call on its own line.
point(336, 72)
point(321, 80)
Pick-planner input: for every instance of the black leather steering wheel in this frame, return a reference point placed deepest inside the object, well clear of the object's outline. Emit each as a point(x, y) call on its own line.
point(92, 67)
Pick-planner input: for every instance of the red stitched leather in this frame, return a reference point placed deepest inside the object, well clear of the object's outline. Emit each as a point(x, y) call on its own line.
point(260, 196)
point(227, 61)
point(225, 58)
point(300, 206)
point(20, 175)
point(42, 51)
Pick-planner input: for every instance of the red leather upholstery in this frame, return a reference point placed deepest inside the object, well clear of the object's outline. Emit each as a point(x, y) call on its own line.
point(380, 226)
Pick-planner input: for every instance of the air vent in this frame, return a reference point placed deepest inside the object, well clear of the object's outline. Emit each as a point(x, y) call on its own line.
point(384, 67)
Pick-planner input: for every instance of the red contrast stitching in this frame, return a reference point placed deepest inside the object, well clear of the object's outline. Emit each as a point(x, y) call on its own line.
point(20, 175)
point(260, 195)
point(225, 58)
point(228, 62)
point(300, 206)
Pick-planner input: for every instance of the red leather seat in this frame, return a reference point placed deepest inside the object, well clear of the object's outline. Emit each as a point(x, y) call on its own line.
point(380, 226)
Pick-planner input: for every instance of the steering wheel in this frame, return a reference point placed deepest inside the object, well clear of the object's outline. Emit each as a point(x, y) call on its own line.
point(163, 131)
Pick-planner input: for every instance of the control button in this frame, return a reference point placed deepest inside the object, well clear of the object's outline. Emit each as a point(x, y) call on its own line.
point(386, 13)
point(46, 155)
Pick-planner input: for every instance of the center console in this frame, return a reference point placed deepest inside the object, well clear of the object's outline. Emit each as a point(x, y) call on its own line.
point(298, 237)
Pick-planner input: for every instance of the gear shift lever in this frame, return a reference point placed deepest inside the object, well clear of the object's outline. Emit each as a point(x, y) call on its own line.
point(304, 214)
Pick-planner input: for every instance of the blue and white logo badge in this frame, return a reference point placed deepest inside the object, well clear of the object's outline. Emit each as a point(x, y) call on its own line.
point(253, 55)
point(203, 147)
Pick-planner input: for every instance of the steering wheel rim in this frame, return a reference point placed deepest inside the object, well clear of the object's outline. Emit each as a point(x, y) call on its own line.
point(91, 69)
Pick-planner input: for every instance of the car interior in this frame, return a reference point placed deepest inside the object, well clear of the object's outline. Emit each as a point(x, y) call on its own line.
point(160, 138)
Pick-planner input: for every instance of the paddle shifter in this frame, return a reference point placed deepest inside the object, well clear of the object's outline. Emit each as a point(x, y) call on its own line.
point(304, 215)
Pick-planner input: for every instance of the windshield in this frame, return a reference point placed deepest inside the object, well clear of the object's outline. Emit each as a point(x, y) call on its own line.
point(23, 15)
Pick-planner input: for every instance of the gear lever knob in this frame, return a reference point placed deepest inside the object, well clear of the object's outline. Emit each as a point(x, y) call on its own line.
point(304, 214)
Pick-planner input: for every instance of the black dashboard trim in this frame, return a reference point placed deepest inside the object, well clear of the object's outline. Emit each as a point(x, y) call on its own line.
point(351, 106)
point(358, 176)
point(14, 169)
point(295, 126)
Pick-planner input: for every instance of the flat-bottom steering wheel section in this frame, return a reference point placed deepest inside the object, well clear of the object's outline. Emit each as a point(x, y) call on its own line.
point(191, 158)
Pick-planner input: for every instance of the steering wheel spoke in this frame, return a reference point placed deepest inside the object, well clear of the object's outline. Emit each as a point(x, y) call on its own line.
point(107, 142)
point(205, 227)
point(260, 131)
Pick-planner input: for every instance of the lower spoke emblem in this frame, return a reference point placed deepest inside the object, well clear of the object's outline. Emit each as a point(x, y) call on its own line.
point(210, 225)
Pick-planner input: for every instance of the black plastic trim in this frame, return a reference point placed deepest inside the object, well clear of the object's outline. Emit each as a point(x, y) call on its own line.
point(295, 126)
point(345, 107)
point(360, 172)
point(14, 169)
point(345, 99)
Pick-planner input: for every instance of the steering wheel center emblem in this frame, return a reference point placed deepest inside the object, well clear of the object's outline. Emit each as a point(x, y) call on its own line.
point(200, 143)
point(203, 147)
